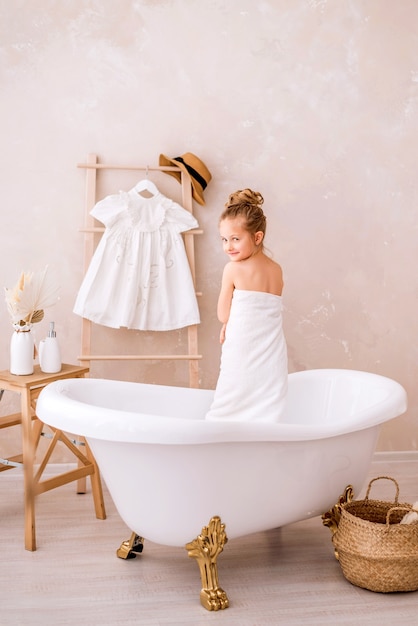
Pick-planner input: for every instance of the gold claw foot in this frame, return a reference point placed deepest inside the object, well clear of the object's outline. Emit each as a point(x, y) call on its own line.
point(205, 549)
point(332, 517)
point(130, 548)
point(214, 600)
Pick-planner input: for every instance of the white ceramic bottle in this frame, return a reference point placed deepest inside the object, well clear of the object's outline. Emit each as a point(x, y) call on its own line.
point(49, 352)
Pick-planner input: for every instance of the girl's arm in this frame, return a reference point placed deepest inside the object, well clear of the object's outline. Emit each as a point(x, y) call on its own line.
point(225, 298)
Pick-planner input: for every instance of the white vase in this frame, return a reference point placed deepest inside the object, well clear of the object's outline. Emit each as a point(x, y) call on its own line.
point(22, 350)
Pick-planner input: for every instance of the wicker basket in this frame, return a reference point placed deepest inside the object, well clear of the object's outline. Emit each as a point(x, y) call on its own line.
point(375, 551)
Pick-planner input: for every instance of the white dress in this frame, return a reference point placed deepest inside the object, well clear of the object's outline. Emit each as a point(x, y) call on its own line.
point(139, 276)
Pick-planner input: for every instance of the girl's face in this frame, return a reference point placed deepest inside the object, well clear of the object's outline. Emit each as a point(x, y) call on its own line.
point(237, 242)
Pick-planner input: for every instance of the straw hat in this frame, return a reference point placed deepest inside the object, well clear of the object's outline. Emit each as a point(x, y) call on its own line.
point(198, 171)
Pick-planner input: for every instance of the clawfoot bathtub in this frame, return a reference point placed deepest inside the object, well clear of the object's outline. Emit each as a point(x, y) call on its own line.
point(213, 478)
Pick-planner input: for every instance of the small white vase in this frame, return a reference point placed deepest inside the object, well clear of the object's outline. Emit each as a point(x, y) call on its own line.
point(22, 350)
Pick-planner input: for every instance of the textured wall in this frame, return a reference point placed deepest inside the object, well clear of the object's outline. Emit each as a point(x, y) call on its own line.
point(312, 102)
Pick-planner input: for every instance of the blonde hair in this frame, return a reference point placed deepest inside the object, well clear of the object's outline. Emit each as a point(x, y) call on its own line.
point(247, 204)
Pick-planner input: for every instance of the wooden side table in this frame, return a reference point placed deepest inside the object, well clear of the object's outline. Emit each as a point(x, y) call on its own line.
point(29, 387)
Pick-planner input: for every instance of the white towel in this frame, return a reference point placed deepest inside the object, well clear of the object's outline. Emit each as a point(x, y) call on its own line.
point(252, 384)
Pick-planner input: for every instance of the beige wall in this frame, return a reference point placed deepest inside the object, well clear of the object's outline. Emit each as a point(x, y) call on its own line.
point(312, 102)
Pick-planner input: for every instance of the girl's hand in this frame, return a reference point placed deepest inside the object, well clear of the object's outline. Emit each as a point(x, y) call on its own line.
point(222, 334)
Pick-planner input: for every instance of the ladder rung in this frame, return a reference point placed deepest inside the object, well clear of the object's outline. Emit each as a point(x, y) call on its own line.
point(139, 357)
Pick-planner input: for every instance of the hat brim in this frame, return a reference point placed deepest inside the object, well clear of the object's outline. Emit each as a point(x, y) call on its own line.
point(197, 190)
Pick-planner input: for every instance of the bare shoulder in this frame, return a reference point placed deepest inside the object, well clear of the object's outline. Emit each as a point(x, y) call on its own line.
point(229, 270)
point(229, 275)
point(269, 264)
point(273, 275)
point(275, 266)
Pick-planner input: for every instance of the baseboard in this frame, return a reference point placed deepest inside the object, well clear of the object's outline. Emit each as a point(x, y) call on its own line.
point(386, 456)
point(383, 455)
point(378, 457)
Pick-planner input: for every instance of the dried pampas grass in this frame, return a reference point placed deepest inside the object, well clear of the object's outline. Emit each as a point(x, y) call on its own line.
point(33, 292)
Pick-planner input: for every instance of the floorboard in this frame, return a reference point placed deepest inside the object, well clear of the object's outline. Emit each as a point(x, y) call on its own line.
point(284, 576)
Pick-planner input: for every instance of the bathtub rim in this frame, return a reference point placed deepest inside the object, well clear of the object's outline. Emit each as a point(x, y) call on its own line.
point(81, 418)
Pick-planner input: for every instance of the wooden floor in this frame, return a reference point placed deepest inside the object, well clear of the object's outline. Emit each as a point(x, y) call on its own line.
point(284, 576)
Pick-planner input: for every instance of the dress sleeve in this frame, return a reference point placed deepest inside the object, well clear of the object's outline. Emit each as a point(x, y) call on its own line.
point(107, 209)
point(180, 217)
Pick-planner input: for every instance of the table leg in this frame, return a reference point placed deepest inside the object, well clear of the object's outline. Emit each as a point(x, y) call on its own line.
point(96, 485)
point(81, 482)
point(28, 451)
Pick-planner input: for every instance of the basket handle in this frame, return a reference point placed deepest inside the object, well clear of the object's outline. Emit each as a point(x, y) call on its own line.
point(402, 507)
point(386, 478)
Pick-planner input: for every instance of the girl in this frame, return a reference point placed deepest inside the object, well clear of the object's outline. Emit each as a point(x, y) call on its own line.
point(252, 384)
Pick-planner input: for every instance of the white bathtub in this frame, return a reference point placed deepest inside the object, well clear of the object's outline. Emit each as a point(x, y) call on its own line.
point(170, 472)
point(162, 461)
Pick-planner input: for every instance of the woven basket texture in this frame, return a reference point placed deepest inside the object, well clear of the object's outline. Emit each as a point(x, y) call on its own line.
point(375, 551)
